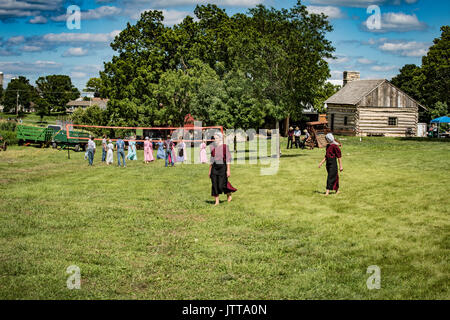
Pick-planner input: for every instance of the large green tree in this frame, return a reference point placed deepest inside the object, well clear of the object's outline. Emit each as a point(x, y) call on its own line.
point(279, 55)
point(42, 107)
point(94, 85)
point(411, 80)
point(284, 51)
point(18, 92)
point(436, 69)
point(57, 90)
point(430, 83)
point(322, 94)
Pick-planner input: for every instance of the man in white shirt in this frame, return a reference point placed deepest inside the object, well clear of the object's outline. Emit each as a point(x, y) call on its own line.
point(91, 150)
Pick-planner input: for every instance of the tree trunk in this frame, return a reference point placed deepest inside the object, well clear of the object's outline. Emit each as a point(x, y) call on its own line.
point(277, 126)
point(286, 126)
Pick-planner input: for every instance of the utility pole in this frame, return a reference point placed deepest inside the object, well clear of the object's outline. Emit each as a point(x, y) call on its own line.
point(17, 103)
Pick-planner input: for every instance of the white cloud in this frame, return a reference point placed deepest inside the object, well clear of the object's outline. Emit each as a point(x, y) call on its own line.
point(75, 52)
point(330, 11)
point(366, 61)
point(397, 22)
point(94, 14)
point(88, 68)
point(78, 75)
point(80, 37)
point(361, 3)
point(31, 48)
point(37, 67)
point(405, 48)
point(383, 68)
point(174, 3)
point(336, 75)
point(38, 20)
point(336, 82)
point(10, 9)
point(43, 5)
point(339, 59)
point(16, 40)
point(171, 17)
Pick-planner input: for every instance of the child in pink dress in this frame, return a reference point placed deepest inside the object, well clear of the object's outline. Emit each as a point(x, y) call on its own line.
point(148, 151)
point(203, 158)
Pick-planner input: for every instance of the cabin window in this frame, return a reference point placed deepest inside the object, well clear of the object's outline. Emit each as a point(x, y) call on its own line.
point(392, 122)
point(345, 121)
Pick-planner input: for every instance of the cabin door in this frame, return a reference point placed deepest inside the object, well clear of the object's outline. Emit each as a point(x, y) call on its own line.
point(332, 122)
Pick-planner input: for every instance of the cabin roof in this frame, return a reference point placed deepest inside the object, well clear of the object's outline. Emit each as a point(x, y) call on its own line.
point(354, 91)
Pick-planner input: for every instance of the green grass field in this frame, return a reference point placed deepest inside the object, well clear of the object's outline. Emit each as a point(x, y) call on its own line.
point(149, 232)
point(32, 118)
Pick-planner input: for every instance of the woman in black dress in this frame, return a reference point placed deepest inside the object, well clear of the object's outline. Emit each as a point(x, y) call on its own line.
point(332, 153)
point(219, 170)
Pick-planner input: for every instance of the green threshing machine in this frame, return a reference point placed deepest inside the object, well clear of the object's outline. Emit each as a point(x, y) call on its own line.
point(53, 135)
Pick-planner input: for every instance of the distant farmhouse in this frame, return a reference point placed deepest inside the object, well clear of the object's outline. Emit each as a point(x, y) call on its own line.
point(372, 108)
point(80, 103)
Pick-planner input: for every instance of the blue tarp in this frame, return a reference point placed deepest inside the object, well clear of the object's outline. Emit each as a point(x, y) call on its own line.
point(441, 120)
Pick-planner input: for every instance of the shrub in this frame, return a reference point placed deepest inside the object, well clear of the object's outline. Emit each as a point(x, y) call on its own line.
point(9, 136)
point(8, 125)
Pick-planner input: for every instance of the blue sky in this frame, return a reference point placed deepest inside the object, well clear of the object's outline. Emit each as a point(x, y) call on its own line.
point(35, 40)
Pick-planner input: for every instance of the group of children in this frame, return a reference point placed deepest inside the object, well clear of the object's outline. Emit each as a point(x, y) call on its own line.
point(168, 150)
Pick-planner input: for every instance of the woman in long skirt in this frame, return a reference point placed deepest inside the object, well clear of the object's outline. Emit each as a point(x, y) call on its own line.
point(109, 154)
point(132, 150)
point(148, 151)
point(173, 154)
point(203, 158)
point(332, 153)
point(160, 154)
point(181, 149)
point(219, 170)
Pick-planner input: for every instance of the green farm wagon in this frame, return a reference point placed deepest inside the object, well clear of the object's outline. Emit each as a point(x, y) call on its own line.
point(53, 135)
point(59, 139)
point(36, 135)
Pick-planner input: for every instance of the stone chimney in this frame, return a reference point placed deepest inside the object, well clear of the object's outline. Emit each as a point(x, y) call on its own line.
point(350, 76)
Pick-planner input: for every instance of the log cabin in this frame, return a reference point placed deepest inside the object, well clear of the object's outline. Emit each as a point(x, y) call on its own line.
point(371, 108)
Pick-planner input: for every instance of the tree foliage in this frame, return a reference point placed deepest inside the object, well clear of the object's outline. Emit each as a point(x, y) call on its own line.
point(430, 83)
point(229, 70)
point(94, 85)
point(19, 91)
point(322, 94)
point(57, 90)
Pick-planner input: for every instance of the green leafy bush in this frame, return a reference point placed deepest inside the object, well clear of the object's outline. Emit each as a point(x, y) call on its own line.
point(8, 125)
point(9, 136)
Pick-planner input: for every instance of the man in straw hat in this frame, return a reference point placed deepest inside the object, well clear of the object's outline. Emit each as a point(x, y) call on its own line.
point(290, 137)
